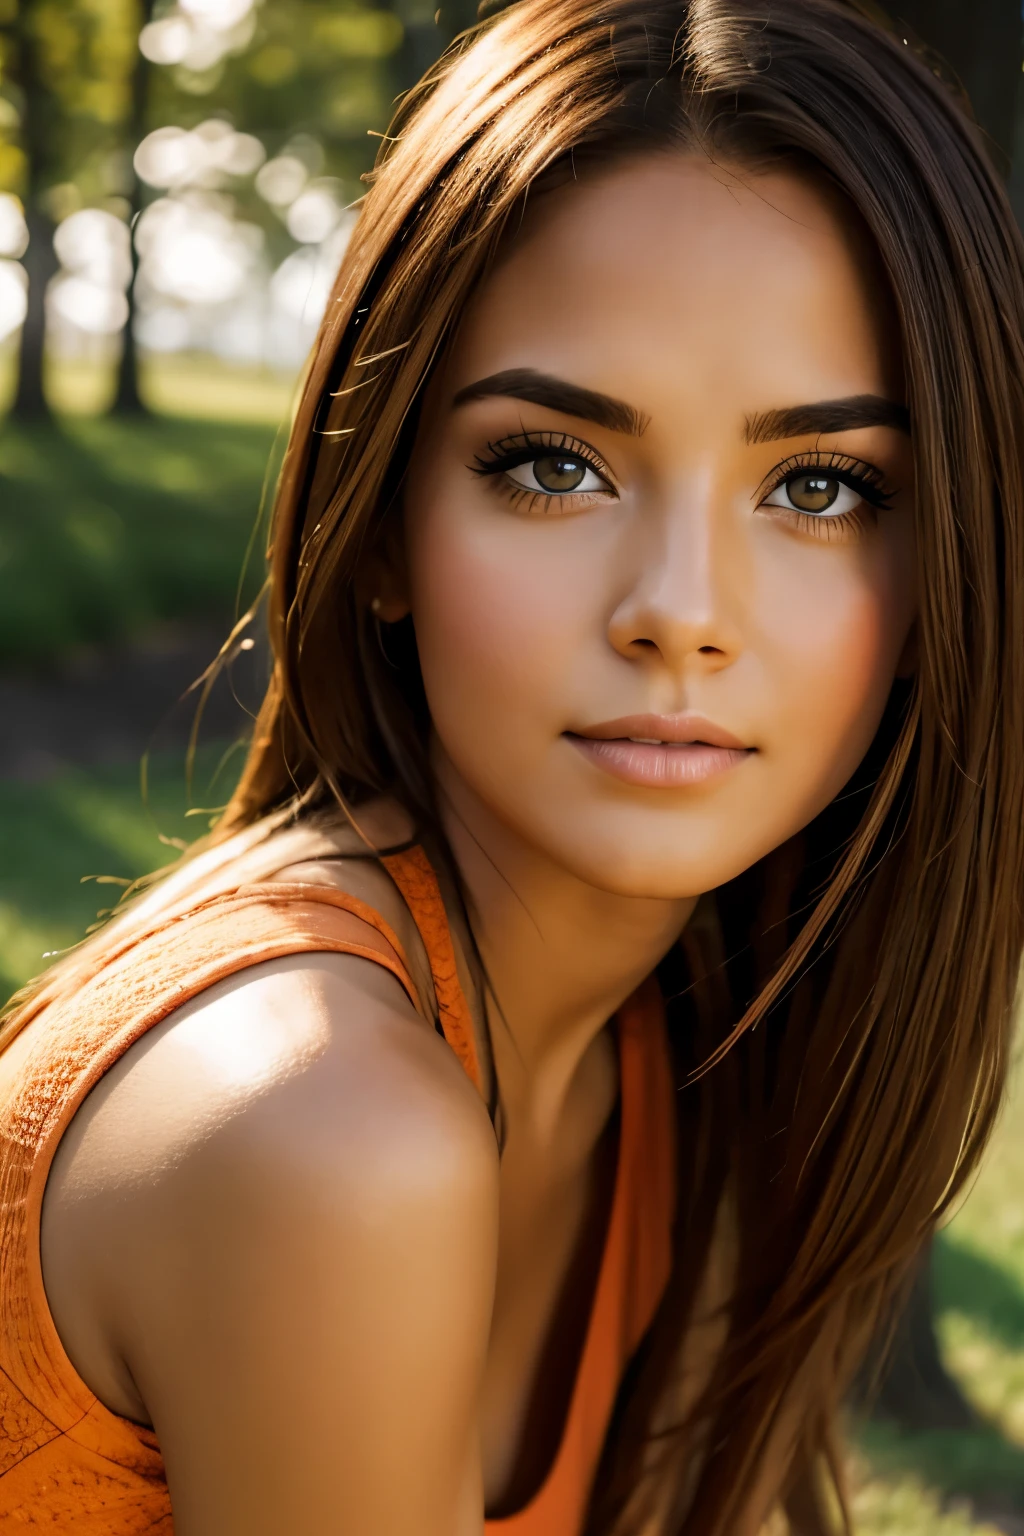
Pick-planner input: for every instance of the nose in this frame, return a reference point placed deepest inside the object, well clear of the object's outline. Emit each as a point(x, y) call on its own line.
point(677, 609)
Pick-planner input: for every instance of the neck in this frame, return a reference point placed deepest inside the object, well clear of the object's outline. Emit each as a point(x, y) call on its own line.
point(560, 954)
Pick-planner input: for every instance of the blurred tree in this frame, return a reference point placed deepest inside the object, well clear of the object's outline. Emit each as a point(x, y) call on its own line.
point(77, 95)
point(65, 70)
point(38, 143)
point(426, 32)
point(318, 68)
point(127, 399)
point(312, 73)
point(982, 43)
point(327, 69)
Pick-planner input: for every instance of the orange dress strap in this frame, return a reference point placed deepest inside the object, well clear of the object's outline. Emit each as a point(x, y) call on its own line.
point(412, 873)
point(637, 1255)
point(635, 1268)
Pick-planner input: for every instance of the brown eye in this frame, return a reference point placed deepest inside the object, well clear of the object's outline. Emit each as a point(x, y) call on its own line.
point(555, 473)
point(813, 493)
point(826, 494)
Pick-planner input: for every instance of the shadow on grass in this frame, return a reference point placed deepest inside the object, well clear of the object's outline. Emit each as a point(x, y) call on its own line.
point(965, 1281)
point(108, 527)
point(978, 1465)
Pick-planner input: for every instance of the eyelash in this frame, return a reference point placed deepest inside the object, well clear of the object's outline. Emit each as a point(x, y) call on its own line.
point(865, 479)
point(509, 452)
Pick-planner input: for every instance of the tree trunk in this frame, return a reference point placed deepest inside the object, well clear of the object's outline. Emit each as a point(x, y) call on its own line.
point(982, 43)
point(127, 399)
point(40, 260)
point(422, 43)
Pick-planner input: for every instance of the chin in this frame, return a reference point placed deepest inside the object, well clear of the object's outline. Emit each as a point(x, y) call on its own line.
point(654, 869)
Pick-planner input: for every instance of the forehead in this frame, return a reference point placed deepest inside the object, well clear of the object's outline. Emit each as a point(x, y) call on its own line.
point(674, 274)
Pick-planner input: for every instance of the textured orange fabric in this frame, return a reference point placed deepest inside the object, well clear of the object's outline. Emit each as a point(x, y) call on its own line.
point(69, 1464)
point(634, 1269)
point(412, 873)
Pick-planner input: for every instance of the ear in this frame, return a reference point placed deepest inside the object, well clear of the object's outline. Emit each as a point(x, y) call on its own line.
point(388, 604)
point(384, 585)
point(907, 666)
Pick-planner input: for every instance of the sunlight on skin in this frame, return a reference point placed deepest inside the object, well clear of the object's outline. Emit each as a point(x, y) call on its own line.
point(678, 583)
point(674, 582)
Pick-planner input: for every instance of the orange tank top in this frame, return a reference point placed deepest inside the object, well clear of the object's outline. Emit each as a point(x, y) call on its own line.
point(70, 1465)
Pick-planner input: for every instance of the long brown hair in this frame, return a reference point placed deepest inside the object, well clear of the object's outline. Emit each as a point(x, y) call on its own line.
point(841, 1026)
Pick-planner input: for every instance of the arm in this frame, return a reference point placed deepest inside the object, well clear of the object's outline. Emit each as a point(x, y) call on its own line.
point(301, 1289)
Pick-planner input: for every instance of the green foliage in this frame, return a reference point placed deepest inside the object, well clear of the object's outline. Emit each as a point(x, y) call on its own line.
point(328, 68)
point(87, 54)
point(66, 70)
point(310, 66)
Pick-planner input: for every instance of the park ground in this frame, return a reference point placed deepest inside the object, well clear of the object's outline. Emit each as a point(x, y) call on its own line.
point(122, 545)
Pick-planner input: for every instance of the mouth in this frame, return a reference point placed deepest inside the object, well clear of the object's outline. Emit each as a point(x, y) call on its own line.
point(663, 751)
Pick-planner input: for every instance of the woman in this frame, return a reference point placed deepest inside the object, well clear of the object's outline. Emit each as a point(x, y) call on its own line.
point(646, 567)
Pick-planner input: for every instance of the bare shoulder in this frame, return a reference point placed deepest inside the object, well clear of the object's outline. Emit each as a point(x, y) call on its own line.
point(278, 1194)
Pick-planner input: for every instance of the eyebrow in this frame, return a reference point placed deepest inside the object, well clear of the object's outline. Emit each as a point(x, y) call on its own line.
point(557, 395)
point(827, 416)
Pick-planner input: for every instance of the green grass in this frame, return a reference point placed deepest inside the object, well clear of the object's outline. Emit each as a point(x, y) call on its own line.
point(979, 1468)
point(188, 384)
point(108, 527)
point(181, 384)
point(979, 1299)
point(902, 1504)
point(79, 825)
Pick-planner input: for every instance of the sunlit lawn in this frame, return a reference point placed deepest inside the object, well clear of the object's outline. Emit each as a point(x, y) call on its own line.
point(109, 526)
point(87, 824)
point(904, 1505)
point(186, 384)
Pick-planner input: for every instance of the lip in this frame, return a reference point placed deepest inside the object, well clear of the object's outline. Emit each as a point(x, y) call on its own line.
point(672, 750)
point(681, 730)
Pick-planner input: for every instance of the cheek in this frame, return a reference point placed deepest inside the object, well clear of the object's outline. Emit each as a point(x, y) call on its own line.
point(834, 649)
point(494, 628)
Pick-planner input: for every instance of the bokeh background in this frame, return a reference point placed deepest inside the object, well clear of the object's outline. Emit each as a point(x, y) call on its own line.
point(176, 189)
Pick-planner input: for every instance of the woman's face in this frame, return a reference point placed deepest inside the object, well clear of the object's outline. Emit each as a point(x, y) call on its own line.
point(659, 526)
